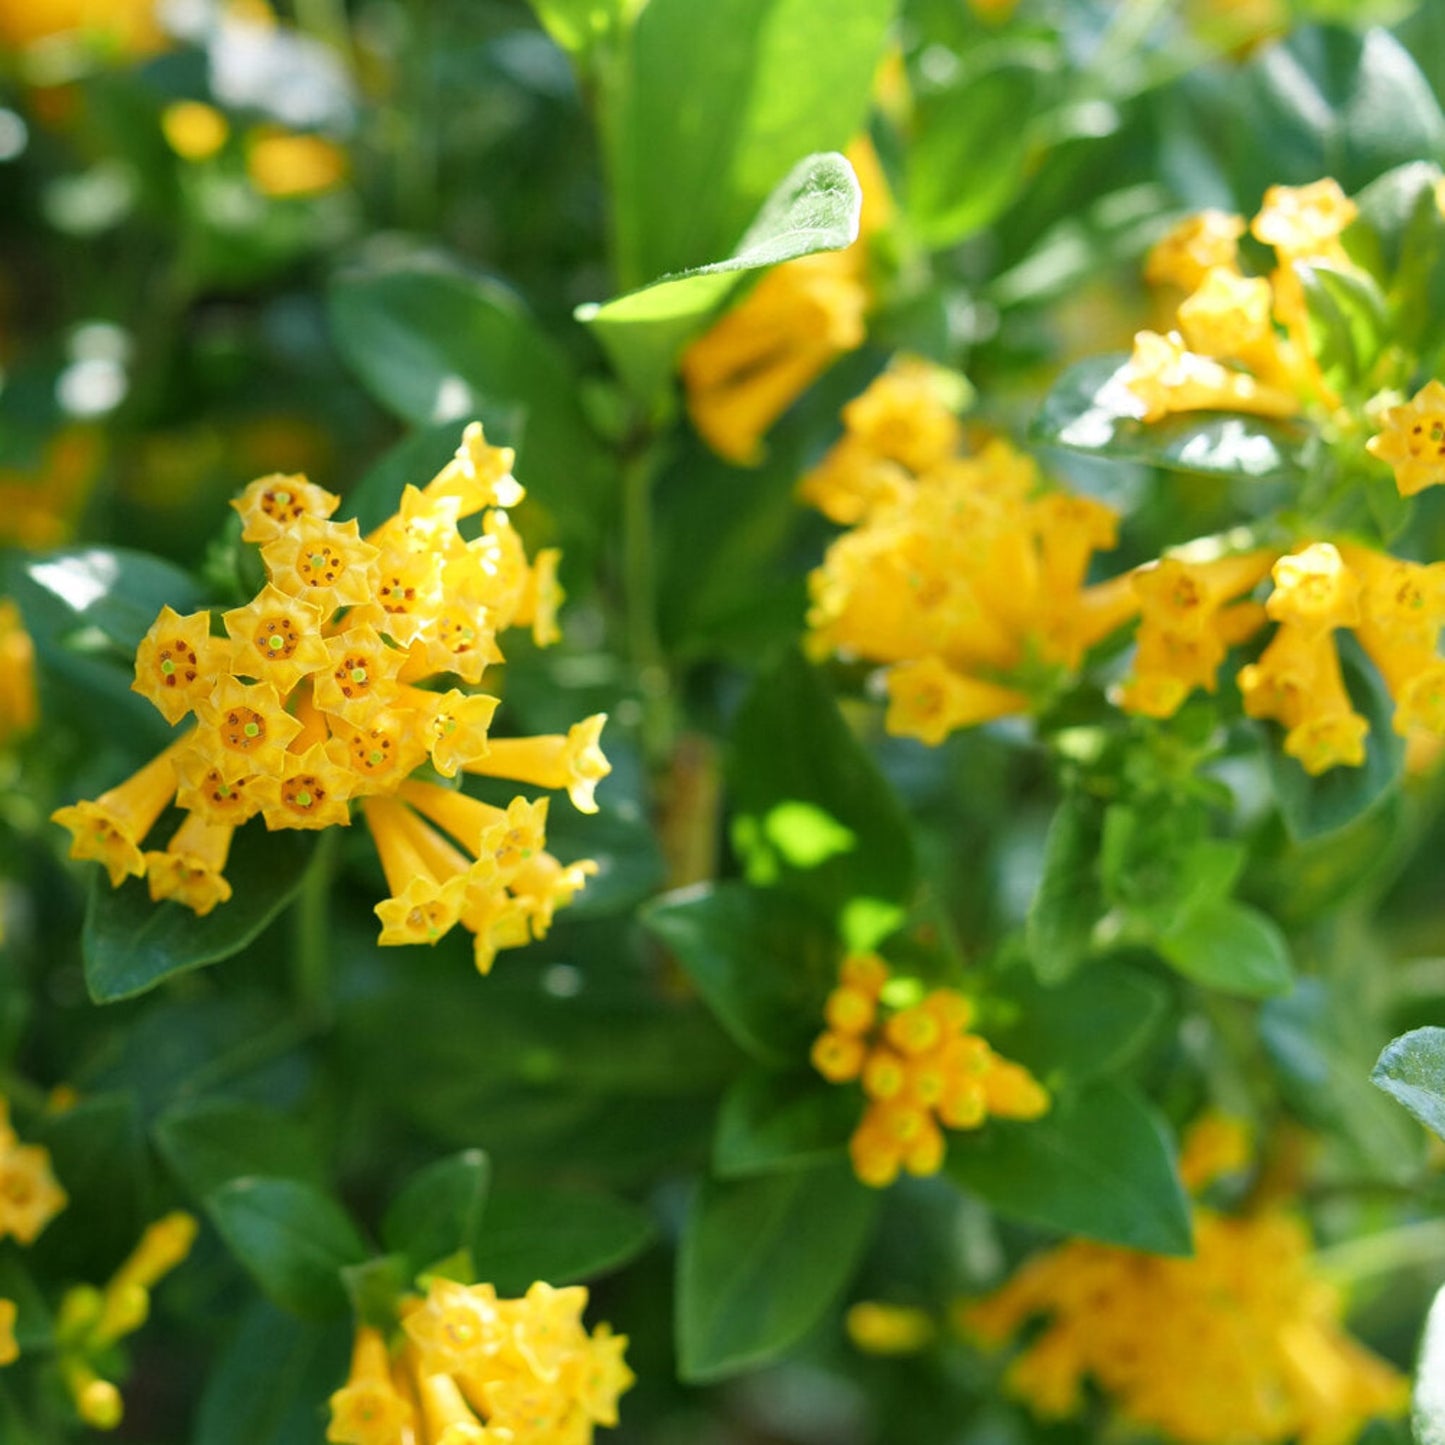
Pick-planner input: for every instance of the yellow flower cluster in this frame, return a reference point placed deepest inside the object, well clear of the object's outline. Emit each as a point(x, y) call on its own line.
point(90, 1320)
point(920, 1068)
point(745, 371)
point(957, 572)
point(1240, 343)
point(315, 697)
point(1242, 1341)
point(473, 1369)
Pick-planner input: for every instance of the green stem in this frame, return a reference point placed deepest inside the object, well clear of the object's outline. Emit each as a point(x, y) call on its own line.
point(312, 921)
point(1410, 1246)
point(639, 564)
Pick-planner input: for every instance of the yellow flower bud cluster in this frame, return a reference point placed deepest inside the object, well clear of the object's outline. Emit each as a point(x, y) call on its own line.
point(957, 571)
point(90, 1320)
point(1243, 1341)
point(316, 696)
point(920, 1068)
point(1240, 342)
point(745, 371)
point(473, 1369)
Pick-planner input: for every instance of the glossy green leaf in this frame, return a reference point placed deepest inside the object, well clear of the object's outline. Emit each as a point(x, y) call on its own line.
point(208, 1142)
point(131, 944)
point(293, 1240)
point(1090, 1024)
point(711, 105)
point(762, 964)
point(771, 1120)
point(376, 1285)
point(1099, 1164)
point(1069, 900)
point(812, 813)
point(970, 152)
point(579, 26)
point(1091, 410)
point(1346, 319)
point(1411, 1069)
point(558, 1234)
point(762, 1260)
point(1312, 806)
point(815, 208)
point(435, 343)
point(439, 1210)
point(1230, 947)
point(269, 1379)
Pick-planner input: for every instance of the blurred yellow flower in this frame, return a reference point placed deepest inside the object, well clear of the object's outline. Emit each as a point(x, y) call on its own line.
point(285, 165)
point(131, 27)
point(194, 130)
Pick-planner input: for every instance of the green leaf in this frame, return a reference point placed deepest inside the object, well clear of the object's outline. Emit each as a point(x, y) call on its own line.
point(1090, 1024)
point(1100, 1164)
point(1091, 410)
point(762, 1260)
point(1347, 322)
point(712, 104)
point(435, 343)
point(762, 964)
point(1411, 1069)
point(815, 208)
point(812, 813)
point(98, 1151)
point(561, 1235)
point(1427, 1410)
point(771, 1121)
point(1230, 947)
point(291, 1238)
point(376, 1286)
point(208, 1142)
point(1314, 806)
point(971, 147)
point(130, 944)
point(1069, 900)
point(439, 1210)
point(34, 1324)
point(579, 26)
point(269, 1380)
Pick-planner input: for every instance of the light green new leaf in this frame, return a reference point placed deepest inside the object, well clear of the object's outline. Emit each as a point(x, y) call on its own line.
point(130, 944)
point(1099, 1164)
point(561, 1235)
point(1069, 900)
point(291, 1238)
point(1091, 410)
point(814, 209)
point(971, 144)
point(709, 105)
point(1230, 947)
point(762, 1260)
point(1412, 1070)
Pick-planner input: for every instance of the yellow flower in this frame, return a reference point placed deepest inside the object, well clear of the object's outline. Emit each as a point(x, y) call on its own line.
point(204, 789)
point(920, 1068)
point(194, 130)
point(309, 790)
point(478, 476)
point(510, 836)
point(428, 879)
point(928, 700)
point(276, 638)
point(324, 563)
point(243, 729)
point(359, 678)
point(270, 507)
point(191, 868)
point(458, 1329)
point(368, 1409)
point(1412, 440)
point(1197, 245)
point(1301, 222)
point(883, 1329)
point(125, 1301)
point(1314, 590)
point(9, 1349)
point(18, 706)
point(446, 1413)
point(1168, 378)
point(1216, 1145)
point(112, 827)
point(903, 416)
point(176, 662)
point(573, 760)
point(131, 27)
point(284, 165)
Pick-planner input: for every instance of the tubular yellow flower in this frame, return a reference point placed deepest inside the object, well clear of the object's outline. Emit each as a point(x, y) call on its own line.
point(277, 639)
point(511, 836)
point(368, 1409)
point(928, 700)
point(1314, 590)
point(112, 827)
point(18, 706)
point(244, 729)
point(408, 594)
point(204, 789)
point(1412, 440)
point(1197, 245)
point(457, 726)
point(542, 599)
point(176, 662)
point(270, 507)
point(310, 790)
point(449, 1419)
point(1070, 530)
point(1304, 221)
point(1168, 378)
point(1230, 316)
point(902, 417)
point(360, 676)
point(423, 906)
point(30, 1197)
point(97, 1401)
point(458, 1329)
point(384, 750)
point(542, 885)
point(573, 761)
point(190, 870)
point(1181, 596)
point(478, 476)
point(851, 481)
point(324, 563)
point(125, 1301)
